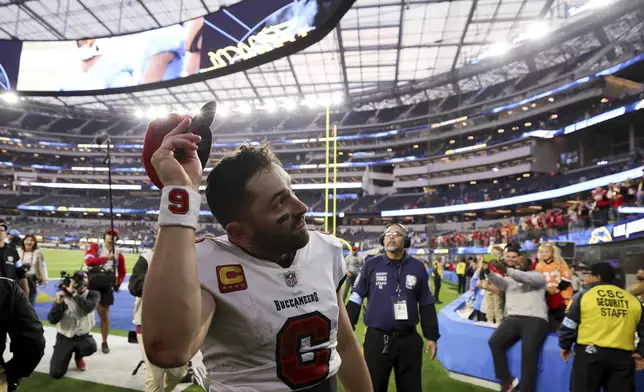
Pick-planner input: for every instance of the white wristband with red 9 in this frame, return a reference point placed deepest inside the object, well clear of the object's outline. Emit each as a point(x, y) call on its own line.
point(180, 206)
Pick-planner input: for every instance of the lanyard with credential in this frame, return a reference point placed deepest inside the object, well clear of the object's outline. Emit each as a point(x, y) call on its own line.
point(398, 270)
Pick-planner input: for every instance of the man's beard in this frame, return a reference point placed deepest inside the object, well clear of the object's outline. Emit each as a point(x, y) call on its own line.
point(393, 248)
point(280, 243)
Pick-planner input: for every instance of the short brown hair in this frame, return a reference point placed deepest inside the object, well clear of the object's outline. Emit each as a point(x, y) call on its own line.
point(226, 190)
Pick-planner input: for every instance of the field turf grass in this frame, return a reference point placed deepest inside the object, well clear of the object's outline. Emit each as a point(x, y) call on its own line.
point(435, 378)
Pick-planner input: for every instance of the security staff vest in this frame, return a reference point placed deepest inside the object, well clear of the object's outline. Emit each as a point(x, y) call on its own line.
point(609, 317)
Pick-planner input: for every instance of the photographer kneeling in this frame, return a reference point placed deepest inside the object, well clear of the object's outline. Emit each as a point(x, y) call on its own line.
point(73, 315)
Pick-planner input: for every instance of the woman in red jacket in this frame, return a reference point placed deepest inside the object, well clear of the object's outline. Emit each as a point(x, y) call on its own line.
point(101, 265)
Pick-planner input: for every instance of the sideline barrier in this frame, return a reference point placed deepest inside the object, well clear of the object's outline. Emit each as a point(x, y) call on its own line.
point(450, 276)
point(463, 349)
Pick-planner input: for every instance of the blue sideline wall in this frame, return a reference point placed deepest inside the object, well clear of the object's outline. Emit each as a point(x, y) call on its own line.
point(463, 349)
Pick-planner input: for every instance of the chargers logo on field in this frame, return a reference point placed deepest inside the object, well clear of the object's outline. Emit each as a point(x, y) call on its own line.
point(231, 278)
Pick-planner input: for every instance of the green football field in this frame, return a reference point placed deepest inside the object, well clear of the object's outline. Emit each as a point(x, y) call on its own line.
point(435, 378)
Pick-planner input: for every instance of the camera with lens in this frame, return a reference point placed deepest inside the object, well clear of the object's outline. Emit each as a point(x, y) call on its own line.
point(76, 280)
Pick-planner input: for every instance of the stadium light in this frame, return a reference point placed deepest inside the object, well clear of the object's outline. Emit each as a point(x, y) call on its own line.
point(139, 113)
point(244, 108)
point(162, 111)
point(324, 100)
point(290, 105)
point(337, 98)
point(537, 30)
point(151, 113)
point(311, 102)
point(270, 106)
point(496, 50)
point(10, 97)
point(223, 110)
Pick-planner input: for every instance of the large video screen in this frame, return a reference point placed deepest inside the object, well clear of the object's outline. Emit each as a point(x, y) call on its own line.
point(253, 32)
point(9, 62)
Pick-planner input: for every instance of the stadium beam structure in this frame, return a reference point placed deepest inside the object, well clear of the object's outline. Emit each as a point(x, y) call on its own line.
point(40, 20)
point(214, 94)
point(400, 35)
point(145, 7)
point(205, 6)
point(297, 82)
point(89, 11)
point(343, 63)
point(326, 170)
point(8, 33)
point(546, 8)
point(573, 30)
point(470, 16)
point(252, 86)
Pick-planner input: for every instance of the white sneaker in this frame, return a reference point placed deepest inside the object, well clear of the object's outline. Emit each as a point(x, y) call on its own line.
point(512, 385)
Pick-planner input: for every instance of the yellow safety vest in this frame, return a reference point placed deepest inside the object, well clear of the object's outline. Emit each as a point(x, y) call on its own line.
point(439, 269)
point(609, 317)
point(460, 269)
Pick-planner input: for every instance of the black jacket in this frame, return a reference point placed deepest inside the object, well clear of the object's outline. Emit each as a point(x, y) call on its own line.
point(86, 304)
point(10, 265)
point(19, 320)
point(138, 277)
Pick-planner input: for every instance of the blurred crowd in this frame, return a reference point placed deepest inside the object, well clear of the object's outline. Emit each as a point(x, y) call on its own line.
point(593, 209)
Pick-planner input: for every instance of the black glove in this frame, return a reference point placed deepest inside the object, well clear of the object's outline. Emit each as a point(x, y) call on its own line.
point(500, 266)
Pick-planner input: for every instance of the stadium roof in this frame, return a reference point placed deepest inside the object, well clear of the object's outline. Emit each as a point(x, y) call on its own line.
point(383, 53)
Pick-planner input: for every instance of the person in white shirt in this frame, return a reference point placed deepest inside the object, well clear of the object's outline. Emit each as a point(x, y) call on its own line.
point(34, 262)
point(262, 301)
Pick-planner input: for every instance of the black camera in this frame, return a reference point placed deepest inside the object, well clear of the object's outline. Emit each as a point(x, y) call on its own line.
point(77, 280)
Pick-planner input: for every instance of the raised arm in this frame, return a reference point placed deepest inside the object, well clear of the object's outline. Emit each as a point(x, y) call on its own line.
point(176, 312)
point(498, 281)
point(531, 278)
point(91, 256)
point(173, 292)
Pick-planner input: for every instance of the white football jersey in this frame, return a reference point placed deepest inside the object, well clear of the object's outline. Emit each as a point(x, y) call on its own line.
point(275, 329)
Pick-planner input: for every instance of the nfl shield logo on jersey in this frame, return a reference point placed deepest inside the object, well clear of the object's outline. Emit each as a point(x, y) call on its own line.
point(291, 278)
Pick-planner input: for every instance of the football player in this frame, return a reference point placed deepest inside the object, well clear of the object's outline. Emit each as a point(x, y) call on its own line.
point(262, 302)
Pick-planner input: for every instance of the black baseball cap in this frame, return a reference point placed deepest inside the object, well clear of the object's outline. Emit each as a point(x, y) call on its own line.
point(605, 271)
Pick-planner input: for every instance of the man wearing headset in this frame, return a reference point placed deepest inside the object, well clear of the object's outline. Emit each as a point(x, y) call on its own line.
point(397, 288)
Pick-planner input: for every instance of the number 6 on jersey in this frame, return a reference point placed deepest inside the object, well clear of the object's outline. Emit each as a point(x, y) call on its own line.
point(298, 365)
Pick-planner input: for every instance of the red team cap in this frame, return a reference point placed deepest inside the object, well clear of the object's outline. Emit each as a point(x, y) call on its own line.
point(158, 128)
point(109, 231)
